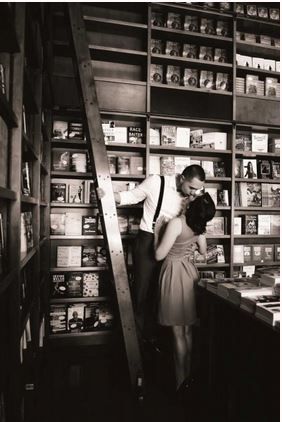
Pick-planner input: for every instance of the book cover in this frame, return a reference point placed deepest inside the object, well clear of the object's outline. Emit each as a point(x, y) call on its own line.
point(156, 73)
point(73, 226)
point(237, 227)
point(275, 224)
point(136, 165)
point(252, 84)
point(75, 315)
point(191, 24)
point(60, 160)
point(275, 169)
point(167, 165)
point(76, 191)
point(238, 168)
point(207, 26)
point(190, 51)
point(155, 136)
point(58, 285)
point(270, 195)
point(102, 253)
point(222, 82)
point(208, 167)
point(173, 75)
point(251, 10)
point(60, 129)
point(181, 162)
point(28, 226)
point(222, 198)
point(74, 284)
point(243, 143)
point(79, 162)
point(220, 254)
point(106, 316)
point(190, 78)
point(58, 319)
point(216, 226)
point(182, 137)
point(120, 134)
point(268, 253)
point(271, 87)
point(264, 169)
point(75, 130)
point(123, 165)
point(238, 252)
point(220, 55)
point(247, 250)
point(211, 255)
point(250, 224)
point(154, 165)
point(264, 224)
point(206, 53)
point(196, 138)
point(68, 256)
point(262, 12)
point(135, 135)
point(109, 131)
point(219, 169)
point(89, 256)
point(156, 46)
point(257, 253)
point(58, 192)
point(172, 48)
point(215, 140)
point(277, 252)
point(240, 8)
point(222, 28)
point(213, 194)
point(112, 161)
point(91, 316)
point(274, 14)
point(249, 168)
point(206, 79)
point(251, 194)
point(123, 224)
point(91, 284)
point(157, 19)
point(89, 225)
point(259, 142)
point(57, 224)
point(133, 224)
point(168, 135)
point(174, 20)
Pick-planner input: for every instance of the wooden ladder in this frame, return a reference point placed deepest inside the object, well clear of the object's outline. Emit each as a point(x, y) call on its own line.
point(102, 179)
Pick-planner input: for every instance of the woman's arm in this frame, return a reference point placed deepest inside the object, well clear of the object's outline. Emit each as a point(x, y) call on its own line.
point(202, 243)
point(173, 230)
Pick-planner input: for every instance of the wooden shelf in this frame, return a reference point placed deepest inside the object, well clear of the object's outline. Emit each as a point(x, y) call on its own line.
point(90, 237)
point(203, 265)
point(258, 71)
point(29, 200)
point(258, 97)
point(128, 176)
point(26, 257)
point(190, 151)
point(203, 122)
point(195, 63)
point(240, 179)
point(87, 338)
point(195, 10)
point(115, 145)
point(117, 55)
point(6, 193)
point(218, 236)
point(71, 174)
point(77, 269)
point(257, 154)
point(79, 299)
point(68, 142)
point(71, 205)
point(256, 236)
point(189, 89)
point(218, 179)
point(261, 264)
point(115, 22)
point(258, 21)
point(6, 112)
point(262, 209)
point(252, 49)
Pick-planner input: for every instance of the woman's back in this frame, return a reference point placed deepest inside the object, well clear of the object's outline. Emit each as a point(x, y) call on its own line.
point(183, 245)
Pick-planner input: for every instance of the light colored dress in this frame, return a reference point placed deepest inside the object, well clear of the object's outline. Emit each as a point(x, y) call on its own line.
point(176, 283)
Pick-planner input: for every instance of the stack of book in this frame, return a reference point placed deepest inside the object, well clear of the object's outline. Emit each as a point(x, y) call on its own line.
point(268, 312)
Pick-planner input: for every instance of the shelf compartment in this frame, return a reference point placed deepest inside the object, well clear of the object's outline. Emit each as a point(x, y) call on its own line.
point(198, 11)
point(194, 63)
point(83, 338)
point(191, 151)
point(8, 37)
point(116, 146)
point(252, 49)
point(194, 37)
point(198, 90)
point(258, 22)
point(6, 111)
point(71, 174)
point(127, 176)
point(276, 181)
point(90, 237)
point(71, 205)
point(98, 23)
point(193, 122)
point(258, 97)
point(69, 143)
point(257, 264)
point(28, 200)
point(262, 72)
point(257, 154)
point(6, 193)
point(249, 108)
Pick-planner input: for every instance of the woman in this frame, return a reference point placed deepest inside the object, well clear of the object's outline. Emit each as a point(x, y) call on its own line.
point(178, 275)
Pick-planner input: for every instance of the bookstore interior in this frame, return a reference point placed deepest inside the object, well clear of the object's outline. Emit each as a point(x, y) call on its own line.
point(97, 101)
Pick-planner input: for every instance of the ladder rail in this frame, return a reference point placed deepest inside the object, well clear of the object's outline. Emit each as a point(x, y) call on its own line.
point(102, 178)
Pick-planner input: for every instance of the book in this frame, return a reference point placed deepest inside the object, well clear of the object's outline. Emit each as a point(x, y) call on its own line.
point(172, 48)
point(238, 168)
point(154, 165)
point(78, 162)
point(268, 312)
point(182, 137)
point(123, 165)
point(251, 194)
point(270, 195)
point(275, 224)
point(220, 254)
point(275, 169)
point(27, 229)
point(274, 14)
point(219, 169)
point(249, 168)
point(167, 165)
point(208, 167)
point(220, 55)
point(251, 84)
point(73, 224)
point(102, 253)
point(123, 224)
point(89, 225)
point(216, 226)
point(207, 26)
point(247, 251)
point(237, 226)
point(189, 51)
point(74, 284)
point(181, 162)
point(156, 73)
point(58, 285)
point(112, 161)
point(76, 191)
point(57, 224)
point(58, 192)
point(190, 78)
point(75, 315)
point(264, 169)
point(263, 224)
point(68, 256)
point(157, 19)
point(60, 160)
point(277, 252)
point(213, 194)
point(133, 224)
point(155, 136)
point(257, 253)
point(268, 253)
point(75, 130)
point(91, 316)
point(259, 142)
point(58, 319)
point(120, 134)
point(243, 142)
point(250, 224)
point(135, 135)
point(221, 28)
point(251, 10)
point(215, 140)
point(262, 12)
point(136, 165)
point(196, 138)
point(222, 82)
point(91, 284)
point(174, 20)
point(249, 303)
point(60, 129)
point(222, 198)
point(206, 53)
point(238, 254)
point(2, 79)
point(156, 46)
point(106, 316)
point(26, 178)
point(168, 135)
point(211, 255)
point(173, 75)
point(89, 256)
point(109, 131)
point(191, 23)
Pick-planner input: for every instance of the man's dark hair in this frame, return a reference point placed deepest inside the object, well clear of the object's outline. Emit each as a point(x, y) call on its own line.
point(200, 211)
point(194, 171)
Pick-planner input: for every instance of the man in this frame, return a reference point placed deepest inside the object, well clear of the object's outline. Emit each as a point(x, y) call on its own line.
point(179, 190)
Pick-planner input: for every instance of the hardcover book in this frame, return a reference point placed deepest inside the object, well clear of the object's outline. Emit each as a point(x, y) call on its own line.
point(89, 225)
point(75, 130)
point(174, 20)
point(220, 254)
point(264, 169)
point(167, 166)
point(206, 79)
point(250, 224)
point(237, 226)
point(91, 316)
point(157, 19)
point(168, 135)
point(247, 250)
point(156, 73)
point(57, 224)
point(173, 75)
point(76, 191)
point(112, 161)
point(270, 195)
point(196, 138)
point(274, 14)
point(190, 78)
point(74, 285)
point(172, 48)
point(222, 82)
point(68, 256)
point(101, 252)
point(136, 165)
point(58, 318)
point(251, 194)
point(189, 51)
point(182, 137)
point(222, 198)
point(249, 168)
point(219, 168)
point(58, 285)
point(275, 169)
point(264, 224)
point(252, 10)
point(58, 192)
point(216, 226)
point(75, 314)
point(208, 167)
point(238, 254)
point(109, 131)
point(220, 55)
point(207, 26)
point(78, 162)
point(262, 12)
point(222, 28)
point(89, 256)
point(60, 160)
point(156, 46)
point(268, 253)
point(275, 224)
point(191, 23)
point(73, 226)
point(252, 84)
point(271, 87)
point(257, 253)
point(60, 129)
point(91, 284)
point(206, 53)
point(123, 165)
point(135, 135)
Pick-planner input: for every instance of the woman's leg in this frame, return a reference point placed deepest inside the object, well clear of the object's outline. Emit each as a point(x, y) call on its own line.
point(189, 343)
point(180, 352)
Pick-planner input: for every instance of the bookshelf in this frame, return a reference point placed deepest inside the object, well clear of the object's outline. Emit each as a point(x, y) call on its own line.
point(21, 142)
point(122, 61)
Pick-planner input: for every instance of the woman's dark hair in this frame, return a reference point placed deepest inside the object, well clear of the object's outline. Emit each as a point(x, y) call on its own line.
point(194, 171)
point(200, 211)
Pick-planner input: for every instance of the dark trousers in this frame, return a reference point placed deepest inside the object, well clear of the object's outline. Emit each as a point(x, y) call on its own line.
point(145, 286)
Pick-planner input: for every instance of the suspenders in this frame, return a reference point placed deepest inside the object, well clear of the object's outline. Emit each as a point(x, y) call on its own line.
point(159, 202)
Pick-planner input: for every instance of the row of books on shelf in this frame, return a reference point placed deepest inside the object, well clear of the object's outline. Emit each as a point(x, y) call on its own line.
point(70, 161)
point(215, 255)
point(27, 241)
point(257, 169)
point(123, 134)
point(220, 197)
point(186, 138)
point(258, 39)
point(257, 142)
point(169, 165)
point(220, 6)
point(75, 224)
point(251, 194)
point(258, 63)
point(79, 284)
point(244, 254)
point(192, 23)
point(191, 78)
point(75, 318)
point(261, 224)
point(2, 79)
point(68, 130)
point(252, 85)
point(258, 11)
point(191, 51)
point(133, 164)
